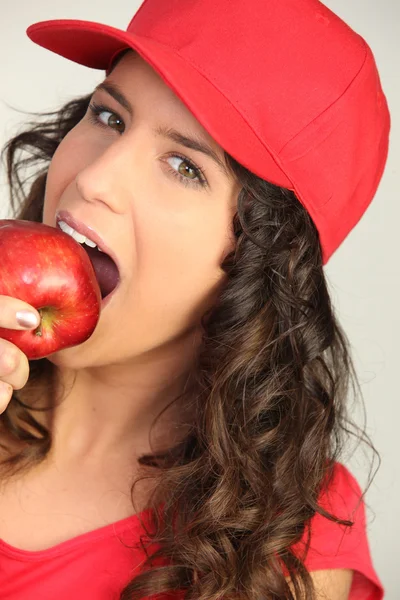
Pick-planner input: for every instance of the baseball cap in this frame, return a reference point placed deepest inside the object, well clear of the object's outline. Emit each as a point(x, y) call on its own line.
point(285, 86)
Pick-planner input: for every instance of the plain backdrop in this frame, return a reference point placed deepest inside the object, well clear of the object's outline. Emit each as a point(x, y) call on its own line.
point(363, 274)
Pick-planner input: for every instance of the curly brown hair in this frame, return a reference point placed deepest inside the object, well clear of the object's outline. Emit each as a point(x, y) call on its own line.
point(269, 402)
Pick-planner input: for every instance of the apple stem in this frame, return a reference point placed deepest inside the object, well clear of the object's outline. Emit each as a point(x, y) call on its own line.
point(38, 330)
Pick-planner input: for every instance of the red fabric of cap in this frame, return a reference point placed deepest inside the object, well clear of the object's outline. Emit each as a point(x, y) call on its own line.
point(284, 86)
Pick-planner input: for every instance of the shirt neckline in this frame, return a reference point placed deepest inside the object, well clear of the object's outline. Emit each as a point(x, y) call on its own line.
point(133, 522)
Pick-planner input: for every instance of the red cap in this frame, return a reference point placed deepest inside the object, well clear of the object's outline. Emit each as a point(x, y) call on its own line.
point(284, 86)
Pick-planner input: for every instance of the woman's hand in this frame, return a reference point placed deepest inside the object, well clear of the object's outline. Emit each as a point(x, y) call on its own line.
point(14, 365)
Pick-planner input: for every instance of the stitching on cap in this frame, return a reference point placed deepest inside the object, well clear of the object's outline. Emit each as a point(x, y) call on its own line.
point(334, 101)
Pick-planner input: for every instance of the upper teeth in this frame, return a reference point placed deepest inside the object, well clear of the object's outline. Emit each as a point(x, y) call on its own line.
point(82, 239)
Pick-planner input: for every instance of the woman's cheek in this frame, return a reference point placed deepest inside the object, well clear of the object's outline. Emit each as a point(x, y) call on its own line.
point(65, 165)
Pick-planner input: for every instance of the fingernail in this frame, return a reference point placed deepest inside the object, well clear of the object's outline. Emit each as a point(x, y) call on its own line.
point(27, 319)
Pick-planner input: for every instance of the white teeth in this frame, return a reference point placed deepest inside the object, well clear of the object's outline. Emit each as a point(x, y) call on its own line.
point(82, 239)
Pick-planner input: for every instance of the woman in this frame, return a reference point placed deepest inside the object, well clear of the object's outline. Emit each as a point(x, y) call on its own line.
point(192, 442)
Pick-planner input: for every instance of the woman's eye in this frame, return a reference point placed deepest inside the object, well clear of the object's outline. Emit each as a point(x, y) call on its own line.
point(187, 172)
point(94, 116)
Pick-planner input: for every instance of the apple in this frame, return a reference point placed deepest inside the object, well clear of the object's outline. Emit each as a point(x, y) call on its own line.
point(52, 272)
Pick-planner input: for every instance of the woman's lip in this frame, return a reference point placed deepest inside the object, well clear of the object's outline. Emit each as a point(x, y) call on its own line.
point(106, 299)
point(86, 230)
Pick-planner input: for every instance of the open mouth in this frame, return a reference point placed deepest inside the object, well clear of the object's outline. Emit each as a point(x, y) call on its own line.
point(105, 268)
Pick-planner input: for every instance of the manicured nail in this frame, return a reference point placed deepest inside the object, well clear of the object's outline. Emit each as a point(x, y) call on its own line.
point(27, 319)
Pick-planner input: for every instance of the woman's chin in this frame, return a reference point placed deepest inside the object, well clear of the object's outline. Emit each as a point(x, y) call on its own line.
point(74, 357)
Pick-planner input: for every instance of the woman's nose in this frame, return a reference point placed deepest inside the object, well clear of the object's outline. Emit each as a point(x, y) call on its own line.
point(104, 180)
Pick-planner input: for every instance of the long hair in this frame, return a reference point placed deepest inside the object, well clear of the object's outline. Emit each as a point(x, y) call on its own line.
point(269, 401)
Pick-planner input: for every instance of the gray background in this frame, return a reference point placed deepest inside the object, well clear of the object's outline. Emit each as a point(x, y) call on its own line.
point(362, 274)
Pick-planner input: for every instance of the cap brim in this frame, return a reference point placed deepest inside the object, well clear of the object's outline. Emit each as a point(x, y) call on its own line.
point(95, 45)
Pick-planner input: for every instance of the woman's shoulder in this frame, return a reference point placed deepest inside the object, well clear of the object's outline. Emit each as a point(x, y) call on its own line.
point(337, 546)
point(342, 493)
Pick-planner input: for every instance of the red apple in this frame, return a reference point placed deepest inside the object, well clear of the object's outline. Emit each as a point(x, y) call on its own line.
point(51, 271)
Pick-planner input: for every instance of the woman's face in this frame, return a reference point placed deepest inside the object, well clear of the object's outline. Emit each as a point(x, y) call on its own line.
point(169, 225)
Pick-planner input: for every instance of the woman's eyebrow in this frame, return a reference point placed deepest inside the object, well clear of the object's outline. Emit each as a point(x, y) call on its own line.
point(192, 142)
point(115, 92)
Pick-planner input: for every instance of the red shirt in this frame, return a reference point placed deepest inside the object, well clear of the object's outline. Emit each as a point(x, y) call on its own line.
point(96, 565)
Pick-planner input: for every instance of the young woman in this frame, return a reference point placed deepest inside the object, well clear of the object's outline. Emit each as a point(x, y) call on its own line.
point(190, 447)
